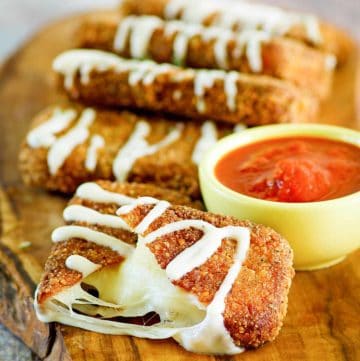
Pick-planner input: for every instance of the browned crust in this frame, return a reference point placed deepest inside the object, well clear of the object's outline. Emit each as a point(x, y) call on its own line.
point(257, 303)
point(260, 99)
point(334, 42)
point(57, 276)
point(171, 167)
point(282, 58)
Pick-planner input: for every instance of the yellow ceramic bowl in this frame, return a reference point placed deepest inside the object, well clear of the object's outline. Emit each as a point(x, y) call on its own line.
point(320, 233)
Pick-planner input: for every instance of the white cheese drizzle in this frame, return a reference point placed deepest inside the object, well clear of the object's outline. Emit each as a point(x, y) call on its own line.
point(72, 62)
point(66, 233)
point(78, 213)
point(45, 134)
point(97, 142)
point(205, 79)
point(243, 15)
point(207, 138)
point(146, 71)
point(231, 89)
point(138, 31)
point(93, 192)
point(81, 264)
point(210, 335)
point(207, 335)
point(159, 208)
point(64, 145)
point(239, 127)
point(137, 147)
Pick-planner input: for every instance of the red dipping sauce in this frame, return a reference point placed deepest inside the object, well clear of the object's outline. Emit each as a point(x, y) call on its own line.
point(292, 169)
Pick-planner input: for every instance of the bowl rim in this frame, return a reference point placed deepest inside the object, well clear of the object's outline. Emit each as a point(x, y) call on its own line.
point(255, 134)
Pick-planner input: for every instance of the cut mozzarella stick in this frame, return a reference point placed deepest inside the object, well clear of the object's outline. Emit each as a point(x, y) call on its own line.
point(197, 46)
point(70, 145)
point(240, 15)
point(216, 284)
point(103, 78)
point(93, 209)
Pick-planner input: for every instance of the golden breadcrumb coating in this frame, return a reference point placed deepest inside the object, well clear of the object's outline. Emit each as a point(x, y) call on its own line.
point(57, 276)
point(282, 58)
point(257, 303)
point(171, 167)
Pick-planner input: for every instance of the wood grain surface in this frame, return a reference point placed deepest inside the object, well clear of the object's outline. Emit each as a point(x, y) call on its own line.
point(323, 317)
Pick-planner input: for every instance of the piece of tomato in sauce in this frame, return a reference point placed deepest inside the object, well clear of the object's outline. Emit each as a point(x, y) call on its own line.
point(292, 169)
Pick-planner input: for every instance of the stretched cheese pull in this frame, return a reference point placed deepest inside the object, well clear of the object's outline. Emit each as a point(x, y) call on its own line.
point(71, 145)
point(240, 15)
point(95, 232)
point(217, 284)
point(230, 97)
point(197, 46)
point(214, 258)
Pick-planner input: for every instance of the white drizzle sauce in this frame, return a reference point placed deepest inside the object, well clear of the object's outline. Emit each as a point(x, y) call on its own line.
point(64, 145)
point(137, 147)
point(205, 79)
point(85, 61)
point(239, 128)
point(159, 208)
point(81, 264)
point(45, 134)
point(97, 142)
point(243, 15)
point(139, 30)
point(330, 62)
point(66, 233)
point(78, 213)
point(207, 138)
point(231, 89)
point(251, 41)
point(93, 192)
point(146, 71)
point(210, 335)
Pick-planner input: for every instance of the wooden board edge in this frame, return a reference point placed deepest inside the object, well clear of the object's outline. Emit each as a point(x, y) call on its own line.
point(17, 312)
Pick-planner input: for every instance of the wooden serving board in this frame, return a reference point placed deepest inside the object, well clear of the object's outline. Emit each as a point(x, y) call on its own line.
point(323, 317)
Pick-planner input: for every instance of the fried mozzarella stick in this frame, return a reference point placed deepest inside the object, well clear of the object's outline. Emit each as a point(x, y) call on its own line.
point(216, 284)
point(94, 206)
point(97, 77)
point(197, 46)
point(240, 15)
point(71, 145)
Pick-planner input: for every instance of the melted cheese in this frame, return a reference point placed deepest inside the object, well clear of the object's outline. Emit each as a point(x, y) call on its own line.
point(139, 285)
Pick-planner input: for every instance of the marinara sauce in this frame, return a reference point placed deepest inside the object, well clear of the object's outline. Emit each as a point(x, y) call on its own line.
point(292, 169)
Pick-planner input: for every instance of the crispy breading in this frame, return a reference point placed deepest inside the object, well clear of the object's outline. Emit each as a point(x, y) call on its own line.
point(58, 277)
point(258, 99)
point(257, 303)
point(334, 41)
point(171, 167)
point(282, 58)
